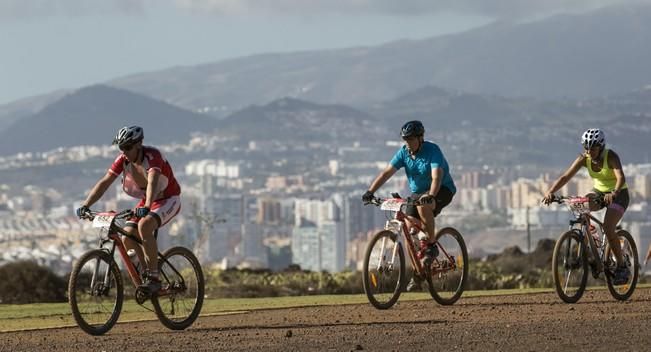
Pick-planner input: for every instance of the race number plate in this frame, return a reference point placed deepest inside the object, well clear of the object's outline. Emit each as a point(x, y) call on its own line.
point(103, 220)
point(392, 204)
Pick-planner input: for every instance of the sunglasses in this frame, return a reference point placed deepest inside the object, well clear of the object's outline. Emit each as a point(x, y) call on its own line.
point(126, 148)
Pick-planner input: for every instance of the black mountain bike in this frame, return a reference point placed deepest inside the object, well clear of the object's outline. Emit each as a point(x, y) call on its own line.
point(581, 249)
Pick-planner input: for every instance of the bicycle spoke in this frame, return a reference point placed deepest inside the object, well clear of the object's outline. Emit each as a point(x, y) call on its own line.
point(383, 270)
point(448, 271)
point(181, 298)
point(95, 306)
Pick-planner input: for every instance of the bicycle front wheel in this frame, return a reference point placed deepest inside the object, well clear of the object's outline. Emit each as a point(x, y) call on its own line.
point(629, 252)
point(570, 266)
point(447, 275)
point(178, 303)
point(95, 292)
point(384, 270)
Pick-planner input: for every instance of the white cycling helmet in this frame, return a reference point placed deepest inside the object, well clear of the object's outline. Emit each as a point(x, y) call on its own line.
point(593, 137)
point(128, 135)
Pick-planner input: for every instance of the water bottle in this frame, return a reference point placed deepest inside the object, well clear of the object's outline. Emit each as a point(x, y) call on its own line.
point(134, 259)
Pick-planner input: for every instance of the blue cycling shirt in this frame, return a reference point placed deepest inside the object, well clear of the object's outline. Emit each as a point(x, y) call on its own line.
point(419, 169)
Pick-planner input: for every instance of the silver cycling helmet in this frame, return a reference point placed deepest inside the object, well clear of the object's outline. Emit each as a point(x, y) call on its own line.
point(593, 137)
point(128, 135)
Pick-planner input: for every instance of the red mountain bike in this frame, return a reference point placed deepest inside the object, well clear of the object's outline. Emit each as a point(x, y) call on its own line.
point(96, 291)
point(384, 275)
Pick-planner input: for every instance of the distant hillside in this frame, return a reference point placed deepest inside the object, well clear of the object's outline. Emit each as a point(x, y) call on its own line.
point(492, 130)
point(293, 119)
point(14, 111)
point(604, 52)
point(92, 115)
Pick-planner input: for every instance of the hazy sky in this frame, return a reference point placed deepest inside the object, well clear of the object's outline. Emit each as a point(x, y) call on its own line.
point(53, 44)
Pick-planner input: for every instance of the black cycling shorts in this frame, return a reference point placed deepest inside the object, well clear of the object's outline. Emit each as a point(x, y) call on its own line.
point(442, 199)
point(620, 203)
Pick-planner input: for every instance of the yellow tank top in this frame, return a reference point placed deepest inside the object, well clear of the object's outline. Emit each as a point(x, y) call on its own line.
point(604, 180)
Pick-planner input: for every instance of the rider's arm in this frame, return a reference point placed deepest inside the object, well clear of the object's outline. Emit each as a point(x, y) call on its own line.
point(565, 177)
point(383, 177)
point(615, 164)
point(152, 183)
point(437, 177)
point(100, 187)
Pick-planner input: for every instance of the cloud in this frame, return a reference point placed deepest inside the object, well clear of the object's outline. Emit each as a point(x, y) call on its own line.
point(33, 9)
point(30, 9)
point(491, 8)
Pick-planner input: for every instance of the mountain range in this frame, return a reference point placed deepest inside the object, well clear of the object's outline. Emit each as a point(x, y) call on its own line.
point(604, 52)
point(505, 89)
point(92, 116)
point(475, 129)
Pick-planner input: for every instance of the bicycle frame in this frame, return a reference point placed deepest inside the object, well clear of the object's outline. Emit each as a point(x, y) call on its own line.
point(584, 219)
point(400, 223)
point(114, 233)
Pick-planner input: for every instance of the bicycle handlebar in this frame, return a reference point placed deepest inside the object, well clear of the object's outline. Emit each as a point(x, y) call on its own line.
point(562, 199)
point(90, 214)
point(378, 201)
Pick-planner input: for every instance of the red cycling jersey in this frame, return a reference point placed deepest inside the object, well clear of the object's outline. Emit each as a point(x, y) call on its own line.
point(153, 159)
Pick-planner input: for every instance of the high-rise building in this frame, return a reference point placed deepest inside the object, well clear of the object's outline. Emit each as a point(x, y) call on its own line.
point(252, 247)
point(269, 211)
point(306, 247)
point(320, 248)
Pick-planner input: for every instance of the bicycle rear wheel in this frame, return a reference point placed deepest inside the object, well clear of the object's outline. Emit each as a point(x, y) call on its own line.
point(447, 275)
point(95, 292)
point(384, 270)
point(629, 252)
point(570, 266)
point(178, 303)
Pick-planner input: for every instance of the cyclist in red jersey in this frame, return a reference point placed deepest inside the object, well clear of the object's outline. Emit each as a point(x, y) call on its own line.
point(146, 175)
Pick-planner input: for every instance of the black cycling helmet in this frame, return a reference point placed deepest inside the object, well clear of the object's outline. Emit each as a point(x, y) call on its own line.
point(128, 135)
point(412, 128)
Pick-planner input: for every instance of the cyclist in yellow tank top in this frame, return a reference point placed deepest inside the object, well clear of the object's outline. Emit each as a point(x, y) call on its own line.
point(605, 169)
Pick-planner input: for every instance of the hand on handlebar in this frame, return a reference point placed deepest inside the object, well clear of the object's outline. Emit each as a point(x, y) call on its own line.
point(548, 198)
point(141, 212)
point(82, 211)
point(425, 199)
point(368, 197)
point(609, 198)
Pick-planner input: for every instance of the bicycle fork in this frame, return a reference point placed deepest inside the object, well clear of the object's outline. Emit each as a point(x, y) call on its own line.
point(383, 260)
point(95, 291)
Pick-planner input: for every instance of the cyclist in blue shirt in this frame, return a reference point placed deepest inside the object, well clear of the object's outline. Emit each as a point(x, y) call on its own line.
point(429, 181)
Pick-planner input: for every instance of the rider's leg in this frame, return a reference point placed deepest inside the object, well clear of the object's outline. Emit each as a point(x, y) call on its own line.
point(612, 217)
point(426, 212)
point(146, 227)
point(132, 229)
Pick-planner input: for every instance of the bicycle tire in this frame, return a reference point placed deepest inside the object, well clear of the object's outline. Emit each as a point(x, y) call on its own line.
point(167, 306)
point(443, 288)
point(579, 262)
point(78, 298)
point(376, 275)
point(629, 287)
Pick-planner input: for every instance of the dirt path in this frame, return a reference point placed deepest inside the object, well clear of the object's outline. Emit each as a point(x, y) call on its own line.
point(535, 322)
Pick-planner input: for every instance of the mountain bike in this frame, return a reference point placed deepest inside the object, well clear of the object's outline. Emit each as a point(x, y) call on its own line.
point(581, 247)
point(384, 276)
point(96, 290)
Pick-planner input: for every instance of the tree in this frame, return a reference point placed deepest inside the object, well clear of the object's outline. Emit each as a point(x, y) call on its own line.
point(27, 282)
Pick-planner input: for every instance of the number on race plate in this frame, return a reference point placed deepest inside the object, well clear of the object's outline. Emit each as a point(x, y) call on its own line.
point(103, 220)
point(392, 204)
